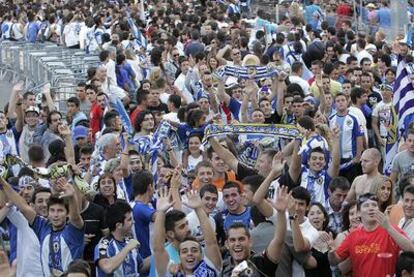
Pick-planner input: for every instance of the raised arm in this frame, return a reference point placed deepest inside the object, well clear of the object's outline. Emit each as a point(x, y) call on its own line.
point(222, 95)
point(68, 191)
point(295, 163)
point(125, 156)
point(279, 87)
point(224, 154)
point(259, 198)
point(300, 243)
point(161, 256)
point(48, 96)
point(14, 96)
point(333, 169)
point(65, 133)
point(20, 115)
point(274, 249)
point(28, 212)
point(212, 249)
point(244, 108)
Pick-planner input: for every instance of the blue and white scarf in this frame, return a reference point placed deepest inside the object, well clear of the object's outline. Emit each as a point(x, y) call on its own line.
point(247, 72)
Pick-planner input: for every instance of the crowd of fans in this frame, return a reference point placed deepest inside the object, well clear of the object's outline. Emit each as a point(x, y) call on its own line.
point(102, 189)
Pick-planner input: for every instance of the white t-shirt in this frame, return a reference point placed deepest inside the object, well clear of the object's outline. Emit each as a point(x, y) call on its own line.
point(383, 112)
point(194, 225)
point(311, 234)
point(71, 33)
point(301, 82)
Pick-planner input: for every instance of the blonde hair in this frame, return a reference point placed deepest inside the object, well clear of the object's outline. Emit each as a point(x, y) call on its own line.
point(376, 186)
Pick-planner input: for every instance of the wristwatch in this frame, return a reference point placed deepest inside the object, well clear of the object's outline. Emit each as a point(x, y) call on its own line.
point(293, 217)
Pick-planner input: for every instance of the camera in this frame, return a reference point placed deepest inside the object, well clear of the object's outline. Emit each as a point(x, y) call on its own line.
point(244, 269)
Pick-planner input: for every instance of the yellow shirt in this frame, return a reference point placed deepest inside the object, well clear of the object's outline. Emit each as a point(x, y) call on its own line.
point(335, 88)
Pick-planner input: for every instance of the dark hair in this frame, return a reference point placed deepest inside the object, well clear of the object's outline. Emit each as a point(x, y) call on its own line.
point(140, 119)
point(404, 182)
point(87, 149)
point(307, 122)
point(49, 116)
point(79, 266)
point(239, 225)
point(36, 153)
point(356, 92)
point(194, 117)
point(339, 182)
point(405, 262)
point(301, 193)
point(74, 100)
point(208, 188)
point(109, 117)
point(106, 175)
point(232, 184)
point(103, 55)
point(141, 181)
point(365, 197)
point(171, 217)
point(39, 190)
point(27, 94)
point(254, 181)
point(316, 150)
point(116, 214)
point(142, 96)
point(56, 200)
point(325, 214)
point(409, 189)
point(175, 100)
point(346, 224)
point(296, 66)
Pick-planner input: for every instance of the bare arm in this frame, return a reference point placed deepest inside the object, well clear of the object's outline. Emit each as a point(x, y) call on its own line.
point(259, 198)
point(394, 177)
point(125, 156)
point(224, 154)
point(48, 96)
point(359, 148)
point(212, 249)
point(333, 169)
point(65, 133)
point(222, 95)
point(374, 125)
point(402, 241)
point(351, 196)
point(109, 265)
point(300, 244)
point(28, 212)
point(244, 108)
point(20, 116)
point(274, 249)
point(75, 217)
point(14, 96)
point(161, 256)
point(295, 164)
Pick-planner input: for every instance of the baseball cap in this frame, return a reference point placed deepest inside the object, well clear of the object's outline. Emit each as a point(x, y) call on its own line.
point(80, 132)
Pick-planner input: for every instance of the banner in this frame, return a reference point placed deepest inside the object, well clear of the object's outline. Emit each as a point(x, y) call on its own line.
point(248, 72)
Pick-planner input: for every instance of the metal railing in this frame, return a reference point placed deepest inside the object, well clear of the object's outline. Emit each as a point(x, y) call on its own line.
point(40, 63)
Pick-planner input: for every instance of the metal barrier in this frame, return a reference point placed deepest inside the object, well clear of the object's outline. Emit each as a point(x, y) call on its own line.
point(40, 63)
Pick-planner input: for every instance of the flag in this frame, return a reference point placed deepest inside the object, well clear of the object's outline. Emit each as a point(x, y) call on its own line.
point(403, 98)
point(139, 37)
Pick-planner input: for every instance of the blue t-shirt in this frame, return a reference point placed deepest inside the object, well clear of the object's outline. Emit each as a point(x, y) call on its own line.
point(58, 248)
point(235, 107)
point(32, 30)
point(174, 258)
point(230, 219)
point(142, 217)
point(109, 247)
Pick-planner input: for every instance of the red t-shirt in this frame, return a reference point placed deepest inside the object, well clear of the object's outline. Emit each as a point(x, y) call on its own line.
point(135, 114)
point(363, 248)
point(95, 115)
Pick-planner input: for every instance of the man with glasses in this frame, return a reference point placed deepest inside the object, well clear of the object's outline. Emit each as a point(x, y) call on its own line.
point(373, 247)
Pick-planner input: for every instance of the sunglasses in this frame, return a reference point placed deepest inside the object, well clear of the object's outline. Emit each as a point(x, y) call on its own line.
point(365, 197)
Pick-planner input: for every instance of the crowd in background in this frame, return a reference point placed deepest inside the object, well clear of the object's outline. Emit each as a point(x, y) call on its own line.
point(171, 158)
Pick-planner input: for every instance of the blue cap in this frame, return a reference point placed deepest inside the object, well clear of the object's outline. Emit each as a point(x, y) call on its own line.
point(80, 132)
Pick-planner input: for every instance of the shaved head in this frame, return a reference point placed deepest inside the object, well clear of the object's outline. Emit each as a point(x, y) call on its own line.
point(374, 154)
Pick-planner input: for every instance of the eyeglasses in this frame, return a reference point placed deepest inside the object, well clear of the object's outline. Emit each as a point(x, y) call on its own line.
point(236, 53)
point(176, 55)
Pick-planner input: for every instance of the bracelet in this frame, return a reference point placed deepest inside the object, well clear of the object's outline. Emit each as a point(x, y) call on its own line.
point(169, 150)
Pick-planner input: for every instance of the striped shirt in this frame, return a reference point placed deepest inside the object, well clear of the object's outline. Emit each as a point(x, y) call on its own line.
point(350, 131)
point(109, 247)
point(316, 183)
